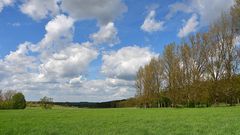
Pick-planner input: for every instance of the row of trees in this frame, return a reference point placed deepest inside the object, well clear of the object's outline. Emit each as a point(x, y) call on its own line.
point(12, 100)
point(201, 71)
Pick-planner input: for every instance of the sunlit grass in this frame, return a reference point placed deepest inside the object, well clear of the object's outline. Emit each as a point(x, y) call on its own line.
point(132, 121)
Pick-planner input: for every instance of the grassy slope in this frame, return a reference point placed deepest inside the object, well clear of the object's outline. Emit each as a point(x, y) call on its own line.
point(207, 121)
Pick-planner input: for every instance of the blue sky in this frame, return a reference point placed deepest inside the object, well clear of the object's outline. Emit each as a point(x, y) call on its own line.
point(82, 50)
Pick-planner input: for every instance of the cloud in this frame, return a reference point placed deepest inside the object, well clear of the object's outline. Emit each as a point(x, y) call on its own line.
point(209, 15)
point(80, 89)
point(189, 27)
point(77, 80)
point(106, 35)
point(124, 63)
point(4, 3)
point(69, 62)
point(178, 7)
point(150, 24)
point(105, 89)
point(59, 33)
point(98, 90)
point(15, 24)
point(40, 9)
point(102, 10)
point(201, 8)
point(19, 61)
point(3, 71)
point(17, 64)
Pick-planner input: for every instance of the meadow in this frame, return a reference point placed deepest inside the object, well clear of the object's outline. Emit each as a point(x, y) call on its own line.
point(129, 121)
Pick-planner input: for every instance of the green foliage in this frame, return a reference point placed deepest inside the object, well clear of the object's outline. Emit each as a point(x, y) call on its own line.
point(131, 102)
point(46, 102)
point(6, 105)
point(32, 104)
point(19, 101)
point(12, 100)
point(168, 121)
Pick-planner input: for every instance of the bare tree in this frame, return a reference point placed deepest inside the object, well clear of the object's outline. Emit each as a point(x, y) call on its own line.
point(1, 96)
point(9, 94)
point(172, 71)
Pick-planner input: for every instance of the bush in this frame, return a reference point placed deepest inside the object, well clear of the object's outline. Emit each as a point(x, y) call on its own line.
point(19, 101)
point(6, 105)
point(46, 103)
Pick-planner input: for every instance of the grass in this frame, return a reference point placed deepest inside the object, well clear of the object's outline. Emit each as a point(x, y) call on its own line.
point(74, 121)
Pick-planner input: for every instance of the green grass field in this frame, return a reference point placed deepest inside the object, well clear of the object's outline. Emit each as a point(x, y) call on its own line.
point(73, 121)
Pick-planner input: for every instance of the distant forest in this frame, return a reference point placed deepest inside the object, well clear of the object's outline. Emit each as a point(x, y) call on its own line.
point(201, 71)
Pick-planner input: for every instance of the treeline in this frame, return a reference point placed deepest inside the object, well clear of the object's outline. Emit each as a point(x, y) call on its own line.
point(201, 71)
point(12, 100)
point(47, 103)
point(108, 104)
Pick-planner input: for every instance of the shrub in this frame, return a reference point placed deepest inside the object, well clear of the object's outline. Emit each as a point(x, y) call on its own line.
point(46, 102)
point(6, 105)
point(19, 101)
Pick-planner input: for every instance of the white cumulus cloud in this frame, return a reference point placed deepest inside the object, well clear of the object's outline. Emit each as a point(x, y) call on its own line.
point(207, 10)
point(102, 10)
point(19, 61)
point(125, 62)
point(106, 35)
point(40, 9)
point(69, 62)
point(178, 7)
point(190, 26)
point(59, 33)
point(150, 24)
point(4, 3)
